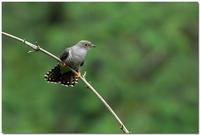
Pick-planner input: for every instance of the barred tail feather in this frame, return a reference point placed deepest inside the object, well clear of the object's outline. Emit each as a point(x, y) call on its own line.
point(68, 78)
point(53, 75)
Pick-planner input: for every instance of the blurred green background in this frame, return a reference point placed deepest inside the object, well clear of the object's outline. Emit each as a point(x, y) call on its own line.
point(145, 65)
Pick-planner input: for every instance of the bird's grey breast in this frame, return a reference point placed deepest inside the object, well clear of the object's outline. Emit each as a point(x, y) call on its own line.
point(76, 56)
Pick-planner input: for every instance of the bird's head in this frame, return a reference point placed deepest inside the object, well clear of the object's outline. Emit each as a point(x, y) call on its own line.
point(85, 44)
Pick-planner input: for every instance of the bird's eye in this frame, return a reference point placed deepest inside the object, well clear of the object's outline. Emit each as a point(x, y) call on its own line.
point(86, 44)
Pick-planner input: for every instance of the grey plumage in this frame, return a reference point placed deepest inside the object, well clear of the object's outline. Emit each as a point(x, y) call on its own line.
point(74, 57)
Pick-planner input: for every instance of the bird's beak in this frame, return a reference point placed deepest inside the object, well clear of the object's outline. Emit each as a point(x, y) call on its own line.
point(93, 45)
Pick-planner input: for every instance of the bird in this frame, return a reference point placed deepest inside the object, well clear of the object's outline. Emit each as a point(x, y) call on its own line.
point(72, 57)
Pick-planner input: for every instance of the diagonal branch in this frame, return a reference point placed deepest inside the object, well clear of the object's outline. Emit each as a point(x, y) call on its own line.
point(38, 48)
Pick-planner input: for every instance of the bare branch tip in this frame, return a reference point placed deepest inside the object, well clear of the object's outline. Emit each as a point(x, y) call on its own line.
point(30, 51)
point(84, 75)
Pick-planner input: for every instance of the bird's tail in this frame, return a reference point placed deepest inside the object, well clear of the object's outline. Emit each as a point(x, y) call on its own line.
point(57, 75)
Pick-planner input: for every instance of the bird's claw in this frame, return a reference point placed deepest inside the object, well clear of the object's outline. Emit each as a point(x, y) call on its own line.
point(78, 74)
point(64, 64)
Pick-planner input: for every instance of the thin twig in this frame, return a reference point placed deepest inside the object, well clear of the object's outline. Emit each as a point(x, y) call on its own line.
point(38, 48)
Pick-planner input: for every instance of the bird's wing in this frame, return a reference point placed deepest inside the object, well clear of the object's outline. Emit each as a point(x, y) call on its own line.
point(65, 54)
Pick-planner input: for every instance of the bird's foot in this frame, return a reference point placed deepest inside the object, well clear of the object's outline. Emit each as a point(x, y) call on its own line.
point(63, 64)
point(78, 74)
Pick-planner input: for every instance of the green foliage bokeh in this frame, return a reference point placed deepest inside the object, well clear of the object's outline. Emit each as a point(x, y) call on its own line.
point(145, 65)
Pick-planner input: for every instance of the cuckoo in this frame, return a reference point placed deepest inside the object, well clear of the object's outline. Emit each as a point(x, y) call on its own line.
point(72, 57)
